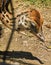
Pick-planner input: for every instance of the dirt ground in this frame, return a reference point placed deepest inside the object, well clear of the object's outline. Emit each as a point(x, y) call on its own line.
point(24, 48)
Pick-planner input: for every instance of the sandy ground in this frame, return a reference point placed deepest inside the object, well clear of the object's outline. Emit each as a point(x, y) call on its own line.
point(24, 48)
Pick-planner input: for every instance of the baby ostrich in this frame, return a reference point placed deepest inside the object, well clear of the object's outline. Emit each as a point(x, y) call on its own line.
point(32, 19)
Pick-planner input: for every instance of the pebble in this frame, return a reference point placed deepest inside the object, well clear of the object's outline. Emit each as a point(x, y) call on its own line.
point(16, 39)
point(25, 43)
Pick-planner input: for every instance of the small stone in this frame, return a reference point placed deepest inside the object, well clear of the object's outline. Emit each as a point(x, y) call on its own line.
point(16, 39)
point(25, 43)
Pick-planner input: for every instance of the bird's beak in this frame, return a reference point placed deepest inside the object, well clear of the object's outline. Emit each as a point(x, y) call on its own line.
point(41, 37)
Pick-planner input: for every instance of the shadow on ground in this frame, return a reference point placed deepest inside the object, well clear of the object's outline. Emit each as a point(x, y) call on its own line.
point(18, 55)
